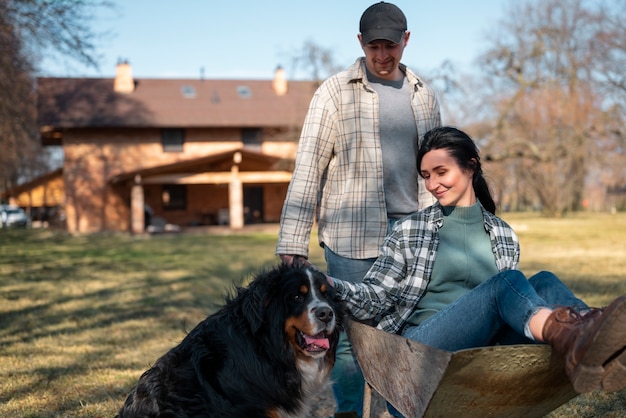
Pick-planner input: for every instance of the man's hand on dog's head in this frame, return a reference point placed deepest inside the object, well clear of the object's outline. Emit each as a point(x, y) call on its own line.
point(295, 260)
point(301, 261)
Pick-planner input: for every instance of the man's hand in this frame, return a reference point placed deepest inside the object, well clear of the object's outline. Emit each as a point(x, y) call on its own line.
point(294, 259)
point(299, 260)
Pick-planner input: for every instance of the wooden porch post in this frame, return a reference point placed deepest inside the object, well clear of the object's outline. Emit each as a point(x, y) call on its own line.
point(235, 194)
point(137, 207)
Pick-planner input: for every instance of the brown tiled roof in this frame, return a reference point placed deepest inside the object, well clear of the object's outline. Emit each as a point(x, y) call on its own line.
point(91, 102)
point(250, 161)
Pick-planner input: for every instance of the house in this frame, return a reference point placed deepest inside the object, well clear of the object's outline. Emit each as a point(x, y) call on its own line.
point(43, 197)
point(188, 151)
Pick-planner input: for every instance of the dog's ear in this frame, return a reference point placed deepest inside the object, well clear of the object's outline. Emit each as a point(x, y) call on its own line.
point(261, 291)
point(253, 306)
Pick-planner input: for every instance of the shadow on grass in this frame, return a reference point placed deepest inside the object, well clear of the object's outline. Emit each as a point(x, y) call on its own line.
point(82, 317)
point(75, 309)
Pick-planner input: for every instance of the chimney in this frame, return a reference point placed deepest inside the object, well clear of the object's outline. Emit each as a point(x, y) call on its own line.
point(124, 82)
point(280, 82)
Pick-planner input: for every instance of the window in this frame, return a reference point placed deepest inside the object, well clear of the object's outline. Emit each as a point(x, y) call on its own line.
point(174, 197)
point(252, 138)
point(244, 92)
point(172, 140)
point(189, 92)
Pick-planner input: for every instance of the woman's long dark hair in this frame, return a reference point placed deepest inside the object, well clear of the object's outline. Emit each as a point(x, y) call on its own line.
point(464, 151)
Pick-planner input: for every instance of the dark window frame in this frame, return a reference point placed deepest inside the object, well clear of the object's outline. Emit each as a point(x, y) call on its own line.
point(252, 138)
point(172, 139)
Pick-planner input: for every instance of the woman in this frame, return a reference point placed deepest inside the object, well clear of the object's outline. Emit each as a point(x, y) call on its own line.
point(447, 277)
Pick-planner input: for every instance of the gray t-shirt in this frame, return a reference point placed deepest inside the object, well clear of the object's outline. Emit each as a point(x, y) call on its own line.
point(398, 140)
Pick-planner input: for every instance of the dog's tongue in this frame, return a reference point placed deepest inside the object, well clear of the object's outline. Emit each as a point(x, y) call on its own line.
point(319, 340)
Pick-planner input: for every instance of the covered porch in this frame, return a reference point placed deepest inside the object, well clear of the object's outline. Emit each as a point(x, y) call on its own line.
point(232, 188)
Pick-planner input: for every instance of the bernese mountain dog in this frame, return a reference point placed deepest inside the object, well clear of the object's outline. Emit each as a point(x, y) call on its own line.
point(265, 353)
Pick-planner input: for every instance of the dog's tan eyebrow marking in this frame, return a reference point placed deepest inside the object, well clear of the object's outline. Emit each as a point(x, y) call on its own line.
point(304, 289)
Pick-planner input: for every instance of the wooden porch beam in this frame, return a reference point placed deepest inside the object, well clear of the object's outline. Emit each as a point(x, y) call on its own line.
point(221, 178)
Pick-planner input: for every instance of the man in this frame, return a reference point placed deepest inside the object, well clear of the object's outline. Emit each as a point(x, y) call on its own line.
point(356, 167)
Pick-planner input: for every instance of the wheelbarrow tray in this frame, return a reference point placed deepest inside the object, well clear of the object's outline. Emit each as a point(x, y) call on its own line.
point(422, 381)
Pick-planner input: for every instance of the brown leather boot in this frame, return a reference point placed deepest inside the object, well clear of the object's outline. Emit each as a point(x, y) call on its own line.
point(614, 379)
point(593, 344)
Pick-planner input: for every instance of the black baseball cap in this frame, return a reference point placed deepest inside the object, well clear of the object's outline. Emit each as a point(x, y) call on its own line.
point(382, 21)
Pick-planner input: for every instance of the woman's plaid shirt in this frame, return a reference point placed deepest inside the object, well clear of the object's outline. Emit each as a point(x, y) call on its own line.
point(399, 277)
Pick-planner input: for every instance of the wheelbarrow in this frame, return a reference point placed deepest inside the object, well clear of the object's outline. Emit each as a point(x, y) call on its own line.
point(421, 381)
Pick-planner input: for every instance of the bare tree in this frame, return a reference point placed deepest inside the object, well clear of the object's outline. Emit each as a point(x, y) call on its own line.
point(551, 115)
point(316, 61)
point(16, 109)
point(30, 29)
point(610, 48)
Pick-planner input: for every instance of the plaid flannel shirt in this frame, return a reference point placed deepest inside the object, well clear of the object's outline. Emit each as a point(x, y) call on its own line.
point(399, 277)
point(338, 174)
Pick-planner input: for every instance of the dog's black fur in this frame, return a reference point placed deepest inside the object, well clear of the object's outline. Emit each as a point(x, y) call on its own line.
point(265, 353)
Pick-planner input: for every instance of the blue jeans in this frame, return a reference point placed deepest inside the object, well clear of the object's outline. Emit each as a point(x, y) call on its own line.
point(346, 376)
point(347, 379)
point(495, 312)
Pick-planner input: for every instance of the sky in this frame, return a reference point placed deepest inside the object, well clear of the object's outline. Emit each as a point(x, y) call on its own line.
point(249, 39)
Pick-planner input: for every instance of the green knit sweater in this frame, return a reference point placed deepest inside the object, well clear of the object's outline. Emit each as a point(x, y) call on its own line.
point(464, 260)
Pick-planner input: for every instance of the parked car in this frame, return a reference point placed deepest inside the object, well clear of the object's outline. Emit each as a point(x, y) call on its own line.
point(13, 217)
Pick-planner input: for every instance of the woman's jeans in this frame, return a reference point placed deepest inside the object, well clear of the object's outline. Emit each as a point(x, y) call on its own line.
point(347, 380)
point(495, 312)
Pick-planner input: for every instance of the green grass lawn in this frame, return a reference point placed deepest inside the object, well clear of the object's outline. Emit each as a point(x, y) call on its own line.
point(82, 317)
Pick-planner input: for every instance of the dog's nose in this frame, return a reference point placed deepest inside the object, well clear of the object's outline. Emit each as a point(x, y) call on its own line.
point(324, 314)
